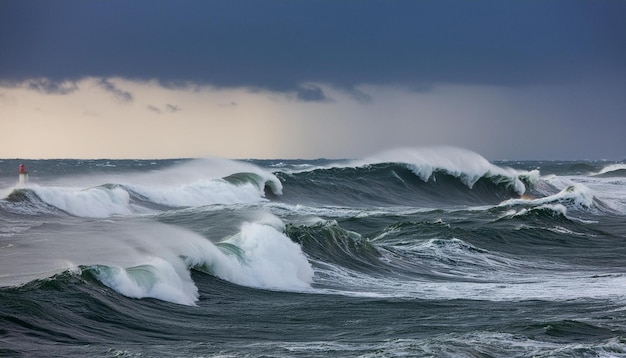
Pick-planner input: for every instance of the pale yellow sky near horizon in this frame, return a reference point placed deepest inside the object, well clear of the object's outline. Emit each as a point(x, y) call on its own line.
point(93, 121)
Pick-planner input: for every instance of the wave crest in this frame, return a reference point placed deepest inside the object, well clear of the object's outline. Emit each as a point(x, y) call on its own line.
point(466, 165)
point(612, 170)
point(114, 199)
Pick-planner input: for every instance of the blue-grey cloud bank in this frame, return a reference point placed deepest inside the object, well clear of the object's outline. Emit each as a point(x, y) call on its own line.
point(281, 44)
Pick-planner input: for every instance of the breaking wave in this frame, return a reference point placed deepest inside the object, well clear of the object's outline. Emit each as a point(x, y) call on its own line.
point(155, 260)
point(426, 177)
point(145, 194)
point(612, 170)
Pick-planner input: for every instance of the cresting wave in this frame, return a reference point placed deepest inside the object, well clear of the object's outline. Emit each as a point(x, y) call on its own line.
point(434, 177)
point(258, 256)
point(187, 185)
point(468, 166)
point(150, 259)
point(613, 170)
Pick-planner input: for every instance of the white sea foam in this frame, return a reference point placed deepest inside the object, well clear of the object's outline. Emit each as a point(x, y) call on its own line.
point(96, 202)
point(201, 182)
point(262, 257)
point(201, 170)
point(575, 195)
point(454, 345)
point(610, 191)
point(202, 192)
point(272, 260)
point(313, 212)
point(473, 273)
point(157, 278)
point(508, 285)
point(102, 202)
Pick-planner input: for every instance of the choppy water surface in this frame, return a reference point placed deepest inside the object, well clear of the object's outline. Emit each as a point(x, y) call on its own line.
point(422, 252)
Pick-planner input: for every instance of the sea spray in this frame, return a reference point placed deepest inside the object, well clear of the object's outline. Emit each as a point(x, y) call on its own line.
point(116, 199)
point(575, 196)
point(157, 278)
point(98, 202)
point(258, 256)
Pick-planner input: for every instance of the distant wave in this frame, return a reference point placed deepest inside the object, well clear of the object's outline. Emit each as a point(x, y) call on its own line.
point(466, 165)
point(421, 177)
point(26, 201)
point(613, 170)
point(114, 199)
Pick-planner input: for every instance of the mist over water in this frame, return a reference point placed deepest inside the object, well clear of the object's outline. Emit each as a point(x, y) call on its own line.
point(428, 251)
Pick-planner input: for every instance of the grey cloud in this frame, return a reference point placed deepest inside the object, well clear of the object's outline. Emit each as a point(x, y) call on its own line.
point(172, 108)
point(169, 108)
point(153, 109)
point(52, 87)
point(119, 94)
point(360, 96)
point(311, 93)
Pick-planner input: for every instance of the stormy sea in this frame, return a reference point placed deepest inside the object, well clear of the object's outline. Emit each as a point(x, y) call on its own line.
point(431, 252)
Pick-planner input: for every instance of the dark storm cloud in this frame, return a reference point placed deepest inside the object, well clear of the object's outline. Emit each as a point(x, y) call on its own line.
point(280, 44)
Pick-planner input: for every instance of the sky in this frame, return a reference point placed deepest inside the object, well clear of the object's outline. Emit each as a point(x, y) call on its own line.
point(508, 79)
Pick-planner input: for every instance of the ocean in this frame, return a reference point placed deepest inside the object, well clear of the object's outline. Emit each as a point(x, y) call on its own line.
point(428, 252)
